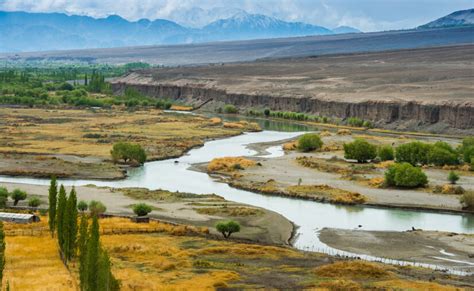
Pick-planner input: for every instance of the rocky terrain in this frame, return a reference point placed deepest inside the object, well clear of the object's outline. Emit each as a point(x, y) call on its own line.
point(424, 89)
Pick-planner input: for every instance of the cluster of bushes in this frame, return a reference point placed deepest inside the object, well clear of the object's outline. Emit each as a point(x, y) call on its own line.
point(405, 175)
point(439, 154)
point(357, 122)
point(17, 195)
point(291, 116)
point(128, 152)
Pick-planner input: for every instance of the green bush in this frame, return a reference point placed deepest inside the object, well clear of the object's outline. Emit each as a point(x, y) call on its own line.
point(3, 197)
point(309, 142)
point(96, 207)
point(355, 121)
point(266, 112)
point(227, 227)
point(82, 205)
point(385, 153)
point(414, 153)
point(128, 152)
point(18, 195)
point(441, 154)
point(229, 108)
point(34, 202)
point(467, 199)
point(405, 175)
point(360, 150)
point(468, 154)
point(453, 177)
point(141, 209)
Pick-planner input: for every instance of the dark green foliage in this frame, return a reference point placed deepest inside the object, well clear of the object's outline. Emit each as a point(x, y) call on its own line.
point(97, 83)
point(18, 195)
point(128, 152)
point(385, 153)
point(82, 247)
point(467, 153)
point(405, 175)
point(227, 227)
point(230, 109)
point(82, 205)
point(441, 154)
point(355, 121)
point(52, 197)
point(106, 279)
point(60, 215)
point(2, 252)
point(453, 177)
point(93, 249)
point(96, 208)
point(34, 202)
point(360, 150)
point(70, 233)
point(3, 197)
point(141, 209)
point(415, 153)
point(66, 86)
point(309, 142)
point(266, 112)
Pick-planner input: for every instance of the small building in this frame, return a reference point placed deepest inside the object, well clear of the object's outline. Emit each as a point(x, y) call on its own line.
point(18, 217)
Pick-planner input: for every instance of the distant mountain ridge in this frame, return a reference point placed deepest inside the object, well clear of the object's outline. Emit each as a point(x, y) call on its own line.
point(457, 18)
point(23, 31)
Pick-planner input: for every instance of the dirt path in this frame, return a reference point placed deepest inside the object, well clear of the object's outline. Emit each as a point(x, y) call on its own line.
point(445, 249)
point(266, 226)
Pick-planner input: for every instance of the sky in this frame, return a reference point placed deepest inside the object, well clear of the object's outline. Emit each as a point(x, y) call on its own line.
point(366, 15)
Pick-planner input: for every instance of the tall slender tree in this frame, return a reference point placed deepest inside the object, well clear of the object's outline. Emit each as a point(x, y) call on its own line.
point(93, 248)
point(60, 215)
point(2, 252)
point(70, 233)
point(82, 246)
point(53, 197)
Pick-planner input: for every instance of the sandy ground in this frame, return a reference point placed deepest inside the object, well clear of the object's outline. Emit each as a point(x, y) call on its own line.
point(268, 227)
point(445, 249)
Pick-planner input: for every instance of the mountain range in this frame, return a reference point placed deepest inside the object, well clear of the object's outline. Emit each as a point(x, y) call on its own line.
point(455, 19)
point(23, 31)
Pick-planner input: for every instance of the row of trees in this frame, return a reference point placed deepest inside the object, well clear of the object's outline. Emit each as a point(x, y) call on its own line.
point(94, 263)
point(17, 195)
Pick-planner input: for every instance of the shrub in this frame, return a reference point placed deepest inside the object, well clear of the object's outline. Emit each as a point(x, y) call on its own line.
point(128, 152)
point(34, 202)
point(18, 195)
point(309, 142)
point(360, 150)
point(266, 112)
point(3, 197)
point(414, 153)
point(141, 209)
point(82, 205)
point(386, 153)
point(355, 121)
point(231, 109)
point(227, 227)
point(468, 154)
point(467, 199)
point(96, 207)
point(441, 154)
point(405, 175)
point(453, 177)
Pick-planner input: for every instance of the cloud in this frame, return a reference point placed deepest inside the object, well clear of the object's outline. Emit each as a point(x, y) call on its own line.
point(368, 15)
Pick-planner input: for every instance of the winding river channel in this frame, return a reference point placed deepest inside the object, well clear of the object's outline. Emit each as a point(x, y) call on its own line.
point(309, 216)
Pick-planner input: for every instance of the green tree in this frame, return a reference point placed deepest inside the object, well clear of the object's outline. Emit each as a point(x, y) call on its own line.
point(309, 142)
point(52, 197)
point(60, 215)
point(230, 109)
point(71, 229)
point(106, 279)
point(441, 154)
point(3, 197)
point(18, 195)
point(386, 153)
point(453, 177)
point(82, 206)
point(405, 175)
point(415, 153)
point(141, 209)
point(82, 246)
point(2, 252)
point(34, 202)
point(360, 150)
point(93, 249)
point(227, 227)
point(128, 152)
point(96, 208)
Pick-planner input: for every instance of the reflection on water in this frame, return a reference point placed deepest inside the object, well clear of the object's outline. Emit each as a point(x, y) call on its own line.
point(269, 124)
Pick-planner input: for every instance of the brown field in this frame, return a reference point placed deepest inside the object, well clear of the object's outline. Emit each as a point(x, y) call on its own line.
point(77, 143)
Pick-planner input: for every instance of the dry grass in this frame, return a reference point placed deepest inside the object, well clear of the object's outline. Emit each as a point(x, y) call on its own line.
point(344, 131)
point(235, 211)
point(325, 133)
point(377, 182)
point(290, 146)
point(354, 270)
point(181, 108)
point(331, 194)
point(229, 164)
point(399, 284)
point(118, 223)
point(244, 125)
point(33, 263)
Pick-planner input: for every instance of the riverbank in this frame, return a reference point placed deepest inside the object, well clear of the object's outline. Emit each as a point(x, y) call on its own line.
point(439, 248)
point(258, 224)
point(76, 144)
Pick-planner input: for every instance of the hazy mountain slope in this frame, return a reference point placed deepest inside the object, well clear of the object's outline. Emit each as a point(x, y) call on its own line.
point(458, 18)
point(345, 29)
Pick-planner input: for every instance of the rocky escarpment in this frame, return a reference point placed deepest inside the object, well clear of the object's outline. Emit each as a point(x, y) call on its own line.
point(438, 116)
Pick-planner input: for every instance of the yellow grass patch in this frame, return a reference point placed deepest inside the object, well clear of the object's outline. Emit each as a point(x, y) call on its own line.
point(384, 164)
point(325, 133)
point(229, 164)
point(230, 211)
point(354, 270)
point(181, 108)
point(334, 195)
point(248, 126)
point(215, 121)
point(344, 131)
point(290, 146)
point(124, 225)
point(377, 182)
point(33, 263)
point(412, 285)
point(340, 285)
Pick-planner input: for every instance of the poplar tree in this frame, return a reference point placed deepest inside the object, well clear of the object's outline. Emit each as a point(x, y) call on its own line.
point(82, 245)
point(60, 215)
point(70, 220)
point(93, 249)
point(2, 252)
point(53, 193)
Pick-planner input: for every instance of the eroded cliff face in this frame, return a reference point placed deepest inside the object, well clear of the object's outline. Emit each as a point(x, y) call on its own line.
point(453, 117)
